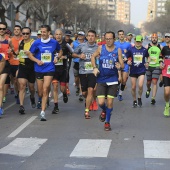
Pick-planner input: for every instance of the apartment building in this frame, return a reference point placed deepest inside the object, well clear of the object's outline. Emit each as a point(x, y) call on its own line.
point(123, 11)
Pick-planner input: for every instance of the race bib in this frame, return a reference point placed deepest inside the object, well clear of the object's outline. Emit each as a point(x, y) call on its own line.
point(138, 59)
point(153, 60)
point(59, 63)
point(88, 66)
point(168, 69)
point(46, 57)
point(22, 54)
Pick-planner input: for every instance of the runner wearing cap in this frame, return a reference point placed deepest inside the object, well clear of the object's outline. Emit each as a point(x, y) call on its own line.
point(129, 38)
point(76, 43)
point(136, 59)
point(68, 40)
point(39, 34)
point(124, 46)
point(153, 67)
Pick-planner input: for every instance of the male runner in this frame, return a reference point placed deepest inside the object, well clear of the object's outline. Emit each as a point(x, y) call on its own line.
point(153, 67)
point(110, 61)
point(87, 79)
point(124, 46)
point(44, 51)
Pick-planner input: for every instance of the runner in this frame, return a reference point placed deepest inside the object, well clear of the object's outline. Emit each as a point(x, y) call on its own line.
point(76, 43)
point(124, 46)
point(129, 38)
point(13, 60)
point(87, 79)
point(136, 59)
point(153, 67)
point(44, 50)
point(60, 72)
point(26, 72)
point(110, 61)
point(5, 48)
point(165, 66)
point(165, 43)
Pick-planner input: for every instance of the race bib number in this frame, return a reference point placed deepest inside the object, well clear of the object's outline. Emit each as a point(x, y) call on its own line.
point(168, 69)
point(153, 60)
point(46, 57)
point(88, 66)
point(22, 54)
point(138, 59)
point(59, 63)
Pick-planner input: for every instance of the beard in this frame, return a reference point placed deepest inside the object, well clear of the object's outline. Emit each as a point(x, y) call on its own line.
point(154, 42)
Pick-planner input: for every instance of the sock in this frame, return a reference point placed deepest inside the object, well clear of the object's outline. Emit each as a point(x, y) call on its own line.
point(120, 92)
point(40, 99)
point(56, 104)
point(86, 110)
point(108, 114)
point(167, 104)
point(103, 107)
point(122, 87)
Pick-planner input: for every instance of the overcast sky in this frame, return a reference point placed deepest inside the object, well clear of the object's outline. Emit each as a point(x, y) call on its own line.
point(138, 11)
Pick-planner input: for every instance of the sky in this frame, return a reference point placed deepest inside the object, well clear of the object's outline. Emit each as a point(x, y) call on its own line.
point(138, 11)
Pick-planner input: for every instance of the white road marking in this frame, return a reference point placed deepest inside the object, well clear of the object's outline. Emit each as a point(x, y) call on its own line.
point(74, 166)
point(156, 149)
point(23, 147)
point(91, 148)
point(20, 128)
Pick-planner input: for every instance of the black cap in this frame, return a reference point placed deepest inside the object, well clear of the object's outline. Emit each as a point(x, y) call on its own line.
point(67, 32)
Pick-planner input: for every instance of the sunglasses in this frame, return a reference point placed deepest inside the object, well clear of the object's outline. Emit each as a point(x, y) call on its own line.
point(167, 36)
point(3, 29)
point(25, 33)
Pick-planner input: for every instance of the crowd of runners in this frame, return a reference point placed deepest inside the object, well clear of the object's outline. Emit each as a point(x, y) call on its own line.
point(101, 68)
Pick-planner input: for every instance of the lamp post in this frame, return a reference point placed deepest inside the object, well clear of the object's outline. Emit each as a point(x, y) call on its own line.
point(48, 12)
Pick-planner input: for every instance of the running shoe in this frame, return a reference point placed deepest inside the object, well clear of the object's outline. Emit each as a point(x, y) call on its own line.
point(81, 98)
point(4, 100)
point(120, 98)
point(95, 106)
point(87, 115)
point(148, 93)
point(134, 104)
point(77, 91)
point(21, 110)
point(153, 101)
point(139, 102)
point(161, 83)
point(68, 91)
point(32, 100)
point(42, 115)
point(107, 126)
point(65, 98)
point(91, 107)
point(55, 110)
point(102, 116)
point(1, 112)
point(39, 105)
point(166, 112)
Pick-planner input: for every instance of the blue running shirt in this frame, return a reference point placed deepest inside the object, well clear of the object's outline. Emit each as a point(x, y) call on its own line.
point(45, 52)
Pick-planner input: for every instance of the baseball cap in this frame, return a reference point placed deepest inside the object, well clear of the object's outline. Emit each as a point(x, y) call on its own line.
point(167, 34)
point(81, 33)
point(138, 38)
point(129, 34)
point(67, 32)
point(39, 32)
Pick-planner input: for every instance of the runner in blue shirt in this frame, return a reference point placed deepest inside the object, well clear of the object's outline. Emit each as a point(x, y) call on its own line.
point(124, 46)
point(43, 52)
point(136, 59)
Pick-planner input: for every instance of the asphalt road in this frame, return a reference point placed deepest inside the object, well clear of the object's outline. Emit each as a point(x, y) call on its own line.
point(139, 140)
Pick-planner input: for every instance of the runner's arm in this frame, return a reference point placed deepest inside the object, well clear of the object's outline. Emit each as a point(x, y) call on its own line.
point(93, 57)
